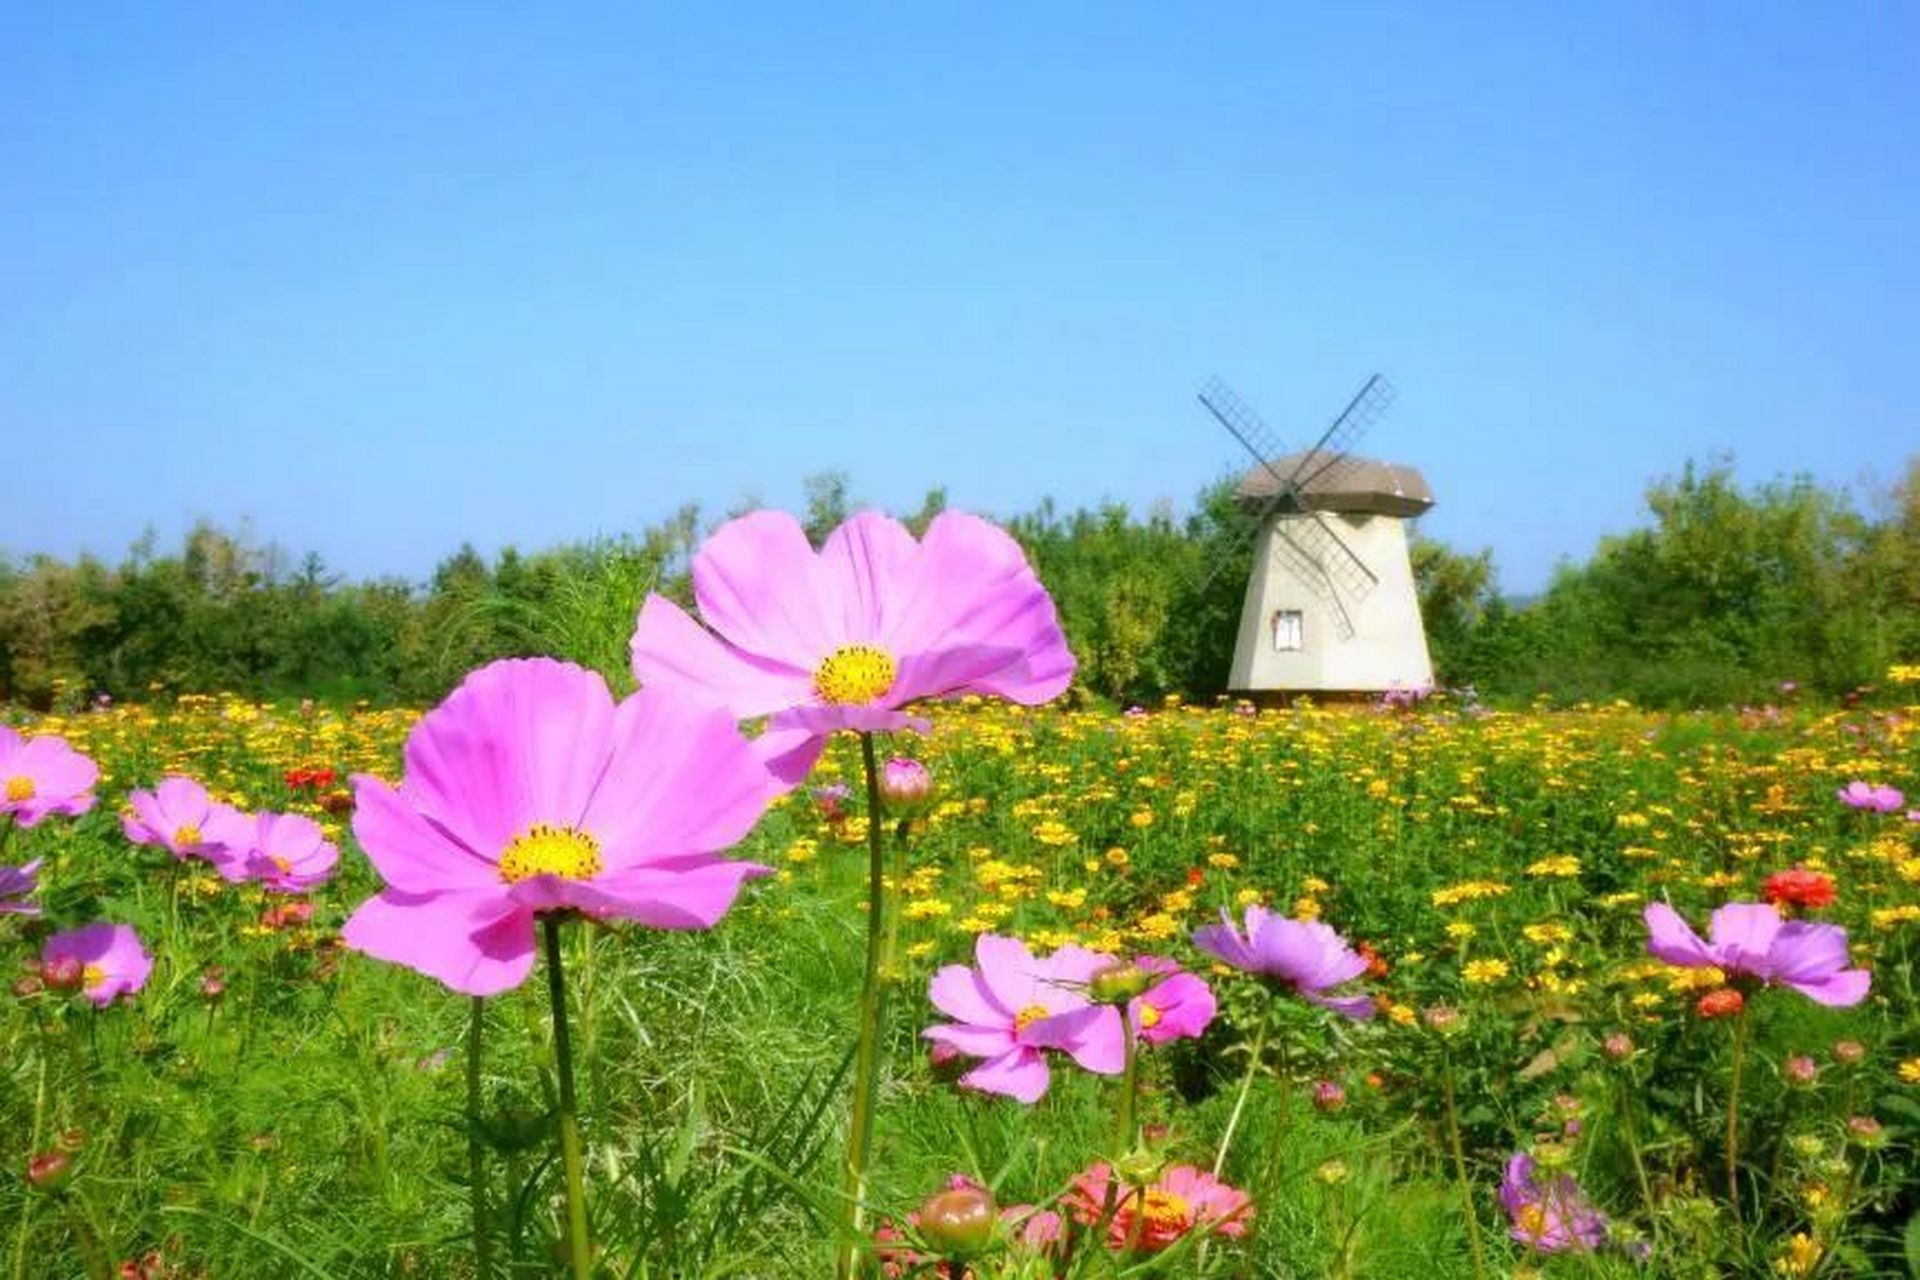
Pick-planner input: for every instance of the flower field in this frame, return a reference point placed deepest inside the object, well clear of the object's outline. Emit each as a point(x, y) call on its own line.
point(269, 1104)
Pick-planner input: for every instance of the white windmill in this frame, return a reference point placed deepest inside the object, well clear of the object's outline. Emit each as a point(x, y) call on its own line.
point(1330, 606)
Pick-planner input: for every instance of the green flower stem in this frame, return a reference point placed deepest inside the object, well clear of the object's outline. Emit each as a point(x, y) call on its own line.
point(1129, 1088)
point(1460, 1167)
point(1246, 1087)
point(33, 1149)
point(476, 1149)
point(578, 1249)
point(873, 995)
point(1733, 1113)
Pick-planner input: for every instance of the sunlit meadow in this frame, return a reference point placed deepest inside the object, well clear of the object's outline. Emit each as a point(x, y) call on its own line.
point(270, 1104)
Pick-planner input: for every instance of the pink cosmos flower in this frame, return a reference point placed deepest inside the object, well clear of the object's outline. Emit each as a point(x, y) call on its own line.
point(1182, 1201)
point(42, 776)
point(1178, 1005)
point(15, 884)
point(847, 637)
point(106, 961)
point(531, 790)
point(288, 853)
point(1305, 955)
point(1011, 1008)
point(1862, 795)
point(1750, 940)
point(1549, 1215)
point(180, 817)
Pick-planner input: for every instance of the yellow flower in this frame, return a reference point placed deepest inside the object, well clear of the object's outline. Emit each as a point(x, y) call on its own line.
point(1141, 818)
point(1481, 972)
point(926, 909)
point(1800, 1257)
point(1547, 934)
point(1246, 897)
point(1117, 857)
point(1461, 930)
point(1561, 866)
point(1910, 1071)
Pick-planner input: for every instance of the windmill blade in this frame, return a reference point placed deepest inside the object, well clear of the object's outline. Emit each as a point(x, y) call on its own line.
point(1342, 563)
point(1311, 569)
point(1245, 425)
point(1331, 454)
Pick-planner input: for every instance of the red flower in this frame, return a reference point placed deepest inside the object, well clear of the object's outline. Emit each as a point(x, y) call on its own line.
point(1799, 888)
point(1195, 877)
point(1377, 966)
point(1723, 1002)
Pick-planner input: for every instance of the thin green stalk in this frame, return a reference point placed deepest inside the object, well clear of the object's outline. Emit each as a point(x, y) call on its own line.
point(1460, 1168)
point(873, 990)
point(1733, 1114)
point(1246, 1087)
point(578, 1249)
point(33, 1149)
point(1129, 1089)
point(476, 1148)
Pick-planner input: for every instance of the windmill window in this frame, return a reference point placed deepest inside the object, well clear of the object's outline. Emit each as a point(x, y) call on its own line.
point(1289, 630)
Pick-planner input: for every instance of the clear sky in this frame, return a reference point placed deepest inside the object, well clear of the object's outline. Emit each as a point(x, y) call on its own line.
point(382, 278)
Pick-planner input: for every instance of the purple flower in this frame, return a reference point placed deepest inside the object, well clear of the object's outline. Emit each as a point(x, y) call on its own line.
point(288, 853)
point(106, 961)
point(42, 776)
point(1305, 955)
point(180, 817)
point(1178, 1005)
point(15, 884)
point(1549, 1215)
point(1011, 1007)
point(1749, 939)
point(530, 790)
point(846, 637)
point(1862, 795)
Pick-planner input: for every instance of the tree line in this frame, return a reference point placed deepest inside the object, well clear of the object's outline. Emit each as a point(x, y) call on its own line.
point(1723, 594)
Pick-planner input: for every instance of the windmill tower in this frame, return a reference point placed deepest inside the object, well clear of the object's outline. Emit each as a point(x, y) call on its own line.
point(1330, 606)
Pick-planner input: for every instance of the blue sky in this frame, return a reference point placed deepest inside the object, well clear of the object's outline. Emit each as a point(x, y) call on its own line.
point(380, 279)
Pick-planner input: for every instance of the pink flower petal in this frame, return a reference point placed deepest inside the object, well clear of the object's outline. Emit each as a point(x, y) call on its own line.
point(478, 944)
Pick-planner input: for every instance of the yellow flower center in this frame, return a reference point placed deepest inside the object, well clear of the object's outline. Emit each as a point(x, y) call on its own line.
point(188, 834)
point(1166, 1208)
point(284, 867)
point(1532, 1221)
point(19, 789)
point(1027, 1017)
point(550, 851)
point(1149, 1017)
point(854, 673)
point(92, 976)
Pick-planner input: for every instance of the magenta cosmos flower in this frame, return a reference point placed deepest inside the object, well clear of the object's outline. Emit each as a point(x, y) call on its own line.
point(1548, 1215)
point(16, 883)
point(1304, 955)
point(106, 961)
point(42, 776)
point(1750, 940)
point(1862, 795)
point(531, 790)
point(179, 816)
point(1178, 1004)
point(287, 853)
point(1011, 1008)
point(847, 637)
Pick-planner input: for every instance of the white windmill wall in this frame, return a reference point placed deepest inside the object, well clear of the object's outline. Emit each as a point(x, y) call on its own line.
point(1388, 646)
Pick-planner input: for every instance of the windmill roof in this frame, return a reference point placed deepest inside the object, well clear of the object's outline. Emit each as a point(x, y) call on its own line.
point(1348, 485)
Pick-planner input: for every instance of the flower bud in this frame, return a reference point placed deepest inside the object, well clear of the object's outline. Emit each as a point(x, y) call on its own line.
point(1800, 1070)
point(1118, 983)
point(1849, 1053)
point(906, 786)
point(1140, 1167)
point(1618, 1046)
point(63, 974)
point(49, 1170)
point(1329, 1096)
point(1866, 1131)
point(959, 1223)
point(213, 983)
point(1332, 1172)
point(1441, 1018)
